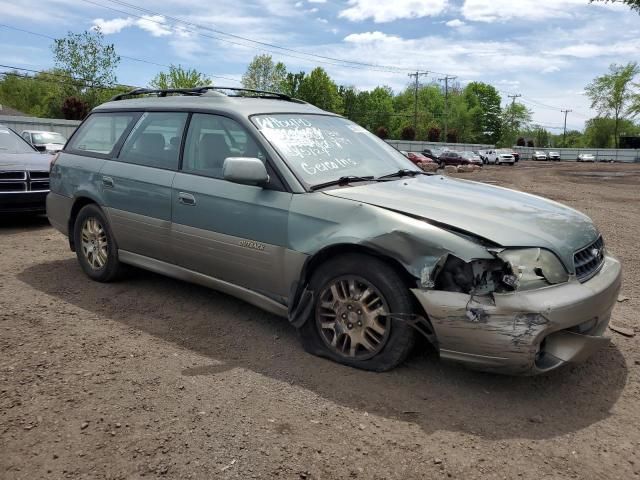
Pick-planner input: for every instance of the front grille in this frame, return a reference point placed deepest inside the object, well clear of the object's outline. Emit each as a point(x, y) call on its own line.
point(13, 176)
point(13, 186)
point(39, 175)
point(588, 261)
point(21, 181)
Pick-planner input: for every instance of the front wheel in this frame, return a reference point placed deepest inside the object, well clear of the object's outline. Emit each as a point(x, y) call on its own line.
point(354, 296)
point(95, 245)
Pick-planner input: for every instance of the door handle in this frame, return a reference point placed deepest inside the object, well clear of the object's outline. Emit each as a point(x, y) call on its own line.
point(107, 182)
point(186, 198)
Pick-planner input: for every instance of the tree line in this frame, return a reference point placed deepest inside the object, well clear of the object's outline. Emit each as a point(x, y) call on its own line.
point(84, 77)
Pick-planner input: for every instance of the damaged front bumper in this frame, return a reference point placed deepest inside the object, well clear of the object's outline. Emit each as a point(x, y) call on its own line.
point(528, 332)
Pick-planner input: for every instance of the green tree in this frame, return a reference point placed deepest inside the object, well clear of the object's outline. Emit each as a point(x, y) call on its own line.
point(515, 117)
point(86, 57)
point(263, 74)
point(290, 85)
point(600, 132)
point(633, 4)
point(40, 95)
point(178, 77)
point(318, 89)
point(613, 94)
point(483, 102)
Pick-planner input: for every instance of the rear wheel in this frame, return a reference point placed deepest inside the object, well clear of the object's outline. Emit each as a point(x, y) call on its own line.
point(350, 323)
point(96, 248)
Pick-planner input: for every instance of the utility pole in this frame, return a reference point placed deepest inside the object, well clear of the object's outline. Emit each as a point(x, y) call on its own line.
point(513, 104)
point(446, 102)
point(417, 75)
point(564, 135)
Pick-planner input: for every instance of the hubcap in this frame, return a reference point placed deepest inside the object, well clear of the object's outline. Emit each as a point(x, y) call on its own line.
point(95, 247)
point(348, 316)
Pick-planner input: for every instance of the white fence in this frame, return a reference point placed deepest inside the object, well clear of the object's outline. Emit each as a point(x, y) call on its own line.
point(64, 127)
point(571, 154)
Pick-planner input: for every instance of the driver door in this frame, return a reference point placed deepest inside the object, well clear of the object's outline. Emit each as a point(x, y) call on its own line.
point(232, 232)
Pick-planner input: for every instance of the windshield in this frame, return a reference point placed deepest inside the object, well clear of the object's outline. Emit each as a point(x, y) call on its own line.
point(11, 142)
point(48, 137)
point(321, 148)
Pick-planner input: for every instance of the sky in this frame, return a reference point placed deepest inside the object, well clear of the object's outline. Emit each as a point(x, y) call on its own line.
point(545, 50)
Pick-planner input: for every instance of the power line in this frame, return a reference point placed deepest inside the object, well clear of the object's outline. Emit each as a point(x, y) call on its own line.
point(345, 63)
point(135, 59)
point(257, 42)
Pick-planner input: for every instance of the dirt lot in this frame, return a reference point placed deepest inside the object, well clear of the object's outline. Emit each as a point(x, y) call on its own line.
point(151, 377)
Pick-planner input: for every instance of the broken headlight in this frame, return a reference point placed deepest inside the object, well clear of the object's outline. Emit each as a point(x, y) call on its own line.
point(532, 268)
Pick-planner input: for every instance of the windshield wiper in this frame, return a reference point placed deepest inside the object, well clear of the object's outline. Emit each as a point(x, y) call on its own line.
point(404, 172)
point(342, 181)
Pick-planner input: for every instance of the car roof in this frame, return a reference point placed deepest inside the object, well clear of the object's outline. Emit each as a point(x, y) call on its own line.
point(39, 131)
point(245, 106)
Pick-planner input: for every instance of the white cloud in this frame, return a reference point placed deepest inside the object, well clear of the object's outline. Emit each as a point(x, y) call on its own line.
point(313, 10)
point(455, 23)
point(382, 12)
point(317, 1)
point(112, 26)
point(322, 20)
point(504, 10)
point(368, 37)
point(154, 24)
point(590, 50)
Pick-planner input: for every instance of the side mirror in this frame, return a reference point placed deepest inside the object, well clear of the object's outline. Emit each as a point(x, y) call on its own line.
point(245, 170)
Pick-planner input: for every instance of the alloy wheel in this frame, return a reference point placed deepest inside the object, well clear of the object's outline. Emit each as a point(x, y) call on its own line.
point(95, 246)
point(350, 316)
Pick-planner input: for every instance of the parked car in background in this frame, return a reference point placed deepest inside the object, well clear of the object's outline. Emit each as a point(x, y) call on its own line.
point(43, 141)
point(433, 153)
point(417, 158)
point(348, 240)
point(452, 158)
point(555, 156)
point(497, 157)
point(586, 157)
point(538, 155)
point(472, 157)
point(24, 175)
point(510, 151)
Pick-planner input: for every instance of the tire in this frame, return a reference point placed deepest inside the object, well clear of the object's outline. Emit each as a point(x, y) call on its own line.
point(392, 346)
point(98, 257)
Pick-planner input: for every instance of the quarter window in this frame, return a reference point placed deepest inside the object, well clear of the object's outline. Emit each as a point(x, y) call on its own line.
point(213, 138)
point(101, 132)
point(155, 140)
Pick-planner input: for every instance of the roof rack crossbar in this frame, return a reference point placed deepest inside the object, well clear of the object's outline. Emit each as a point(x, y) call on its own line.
point(163, 92)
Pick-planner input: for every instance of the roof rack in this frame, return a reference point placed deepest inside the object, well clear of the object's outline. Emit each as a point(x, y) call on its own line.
point(198, 91)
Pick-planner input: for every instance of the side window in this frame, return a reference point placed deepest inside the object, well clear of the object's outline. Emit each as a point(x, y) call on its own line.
point(213, 138)
point(101, 132)
point(155, 140)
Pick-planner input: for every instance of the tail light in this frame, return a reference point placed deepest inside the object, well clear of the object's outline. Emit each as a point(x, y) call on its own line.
point(54, 158)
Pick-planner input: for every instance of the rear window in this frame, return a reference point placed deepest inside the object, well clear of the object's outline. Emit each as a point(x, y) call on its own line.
point(101, 132)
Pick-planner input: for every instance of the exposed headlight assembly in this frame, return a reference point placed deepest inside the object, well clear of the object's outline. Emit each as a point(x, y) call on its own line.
point(532, 268)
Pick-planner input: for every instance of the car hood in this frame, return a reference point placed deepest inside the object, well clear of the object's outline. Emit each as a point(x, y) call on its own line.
point(505, 217)
point(24, 161)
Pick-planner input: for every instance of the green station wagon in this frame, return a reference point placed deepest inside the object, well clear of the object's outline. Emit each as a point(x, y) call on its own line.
point(309, 216)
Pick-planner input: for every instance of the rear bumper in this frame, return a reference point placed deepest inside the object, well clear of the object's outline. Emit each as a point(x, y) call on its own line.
point(59, 211)
point(525, 333)
point(23, 202)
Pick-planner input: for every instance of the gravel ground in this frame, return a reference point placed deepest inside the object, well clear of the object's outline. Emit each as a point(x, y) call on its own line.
point(152, 377)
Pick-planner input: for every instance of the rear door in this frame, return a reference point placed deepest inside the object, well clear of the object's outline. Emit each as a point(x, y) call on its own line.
point(137, 184)
point(225, 230)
